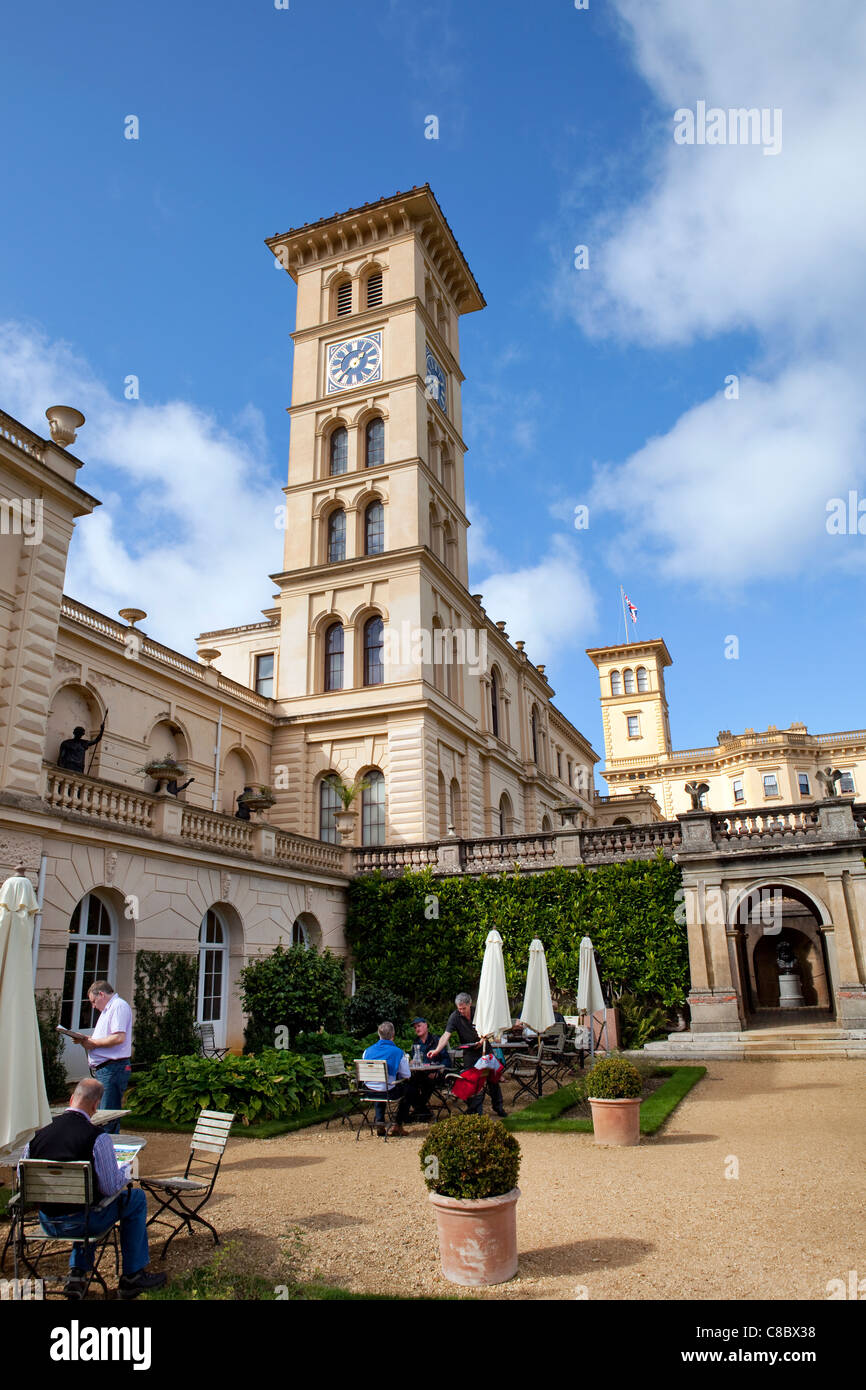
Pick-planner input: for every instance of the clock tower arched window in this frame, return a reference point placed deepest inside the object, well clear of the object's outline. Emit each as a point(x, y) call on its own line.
point(374, 637)
point(338, 447)
point(334, 650)
point(374, 529)
point(374, 443)
point(336, 536)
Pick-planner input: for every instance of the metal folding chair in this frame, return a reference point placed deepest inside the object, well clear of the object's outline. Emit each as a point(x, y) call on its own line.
point(207, 1041)
point(340, 1090)
point(553, 1052)
point(41, 1182)
point(185, 1196)
point(377, 1072)
point(530, 1071)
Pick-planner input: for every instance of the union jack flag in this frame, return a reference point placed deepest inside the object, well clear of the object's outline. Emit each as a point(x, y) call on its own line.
point(631, 608)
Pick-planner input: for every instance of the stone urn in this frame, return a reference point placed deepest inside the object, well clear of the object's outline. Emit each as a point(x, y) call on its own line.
point(163, 771)
point(477, 1237)
point(258, 801)
point(345, 822)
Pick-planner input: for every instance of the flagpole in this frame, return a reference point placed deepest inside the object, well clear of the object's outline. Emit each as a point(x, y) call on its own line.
point(624, 614)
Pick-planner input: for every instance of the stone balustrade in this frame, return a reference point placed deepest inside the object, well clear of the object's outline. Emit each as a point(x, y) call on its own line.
point(312, 854)
point(214, 831)
point(612, 843)
point(393, 859)
point(798, 824)
point(72, 792)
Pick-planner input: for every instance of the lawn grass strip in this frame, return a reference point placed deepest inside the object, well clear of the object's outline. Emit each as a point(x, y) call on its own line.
point(542, 1116)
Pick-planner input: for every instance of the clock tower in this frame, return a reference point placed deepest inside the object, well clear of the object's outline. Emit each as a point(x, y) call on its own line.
point(386, 670)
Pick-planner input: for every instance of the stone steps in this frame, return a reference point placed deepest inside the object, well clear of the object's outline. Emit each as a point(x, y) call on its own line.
point(765, 1044)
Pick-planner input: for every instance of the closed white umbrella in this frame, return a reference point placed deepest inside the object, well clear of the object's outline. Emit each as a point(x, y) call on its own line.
point(492, 1012)
point(23, 1099)
point(537, 1011)
point(590, 999)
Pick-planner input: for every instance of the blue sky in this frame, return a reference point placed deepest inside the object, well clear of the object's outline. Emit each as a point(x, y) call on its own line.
point(602, 386)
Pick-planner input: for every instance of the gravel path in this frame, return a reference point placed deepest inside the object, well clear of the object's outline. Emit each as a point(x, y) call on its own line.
point(660, 1221)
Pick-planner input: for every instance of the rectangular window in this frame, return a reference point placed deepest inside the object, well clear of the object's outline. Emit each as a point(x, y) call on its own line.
point(265, 675)
point(771, 786)
point(739, 794)
point(633, 721)
point(803, 783)
point(559, 764)
point(846, 782)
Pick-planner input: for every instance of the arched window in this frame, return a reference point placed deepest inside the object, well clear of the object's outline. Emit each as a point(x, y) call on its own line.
point(374, 442)
point(447, 471)
point(628, 677)
point(615, 683)
point(533, 723)
point(642, 678)
point(450, 555)
point(546, 826)
point(374, 637)
point(343, 298)
point(435, 530)
point(339, 450)
point(373, 809)
point(337, 536)
point(494, 704)
point(299, 934)
point(374, 529)
point(374, 289)
point(622, 820)
point(454, 804)
point(443, 808)
point(329, 805)
point(90, 955)
point(334, 648)
point(504, 814)
point(212, 961)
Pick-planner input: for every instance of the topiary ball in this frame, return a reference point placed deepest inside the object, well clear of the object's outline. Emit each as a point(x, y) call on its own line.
point(614, 1078)
point(470, 1156)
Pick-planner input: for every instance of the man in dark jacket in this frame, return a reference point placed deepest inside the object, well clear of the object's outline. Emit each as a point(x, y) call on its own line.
point(73, 1137)
point(460, 1022)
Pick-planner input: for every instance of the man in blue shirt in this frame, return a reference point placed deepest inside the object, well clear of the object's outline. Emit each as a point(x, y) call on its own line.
point(386, 1050)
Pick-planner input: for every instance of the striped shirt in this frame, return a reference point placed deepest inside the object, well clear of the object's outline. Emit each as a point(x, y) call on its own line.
point(111, 1176)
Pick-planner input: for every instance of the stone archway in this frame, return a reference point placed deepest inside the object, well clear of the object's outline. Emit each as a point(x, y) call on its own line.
point(765, 916)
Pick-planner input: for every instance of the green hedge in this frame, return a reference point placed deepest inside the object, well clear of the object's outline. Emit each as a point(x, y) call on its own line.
point(269, 1086)
point(424, 937)
point(166, 986)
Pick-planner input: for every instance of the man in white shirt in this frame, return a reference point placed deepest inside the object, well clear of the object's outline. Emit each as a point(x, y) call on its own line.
point(109, 1047)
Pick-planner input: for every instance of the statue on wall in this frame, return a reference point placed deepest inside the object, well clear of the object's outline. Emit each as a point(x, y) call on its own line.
point(243, 811)
point(828, 777)
point(785, 958)
point(173, 787)
point(72, 750)
point(696, 790)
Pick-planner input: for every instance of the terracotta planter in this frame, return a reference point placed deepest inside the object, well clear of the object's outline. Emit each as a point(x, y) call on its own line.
point(477, 1238)
point(616, 1121)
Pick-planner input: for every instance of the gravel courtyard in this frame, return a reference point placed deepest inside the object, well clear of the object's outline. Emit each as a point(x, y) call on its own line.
point(661, 1221)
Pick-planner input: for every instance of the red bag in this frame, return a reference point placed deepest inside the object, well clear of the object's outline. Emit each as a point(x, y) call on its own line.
point(471, 1083)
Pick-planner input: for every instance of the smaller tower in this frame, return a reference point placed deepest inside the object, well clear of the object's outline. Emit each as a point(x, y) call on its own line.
point(634, 706)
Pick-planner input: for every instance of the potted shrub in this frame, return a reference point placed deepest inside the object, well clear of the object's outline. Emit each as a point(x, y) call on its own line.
point(163, 770)
point(471, 1164)
point(613, 1089)
point(258, 798)
point(345, 819)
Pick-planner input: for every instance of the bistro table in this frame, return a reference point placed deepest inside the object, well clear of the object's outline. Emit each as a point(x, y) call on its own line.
point(436, 1071)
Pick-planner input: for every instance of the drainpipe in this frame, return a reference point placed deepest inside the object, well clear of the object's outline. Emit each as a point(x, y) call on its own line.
point(37, 921)
point(216, 761)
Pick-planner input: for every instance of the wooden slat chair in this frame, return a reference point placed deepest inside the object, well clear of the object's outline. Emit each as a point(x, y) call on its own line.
point(185, 1196)
point(340, 1089)
point(377, 1072)
point(207, 1041)
point(42, 1181)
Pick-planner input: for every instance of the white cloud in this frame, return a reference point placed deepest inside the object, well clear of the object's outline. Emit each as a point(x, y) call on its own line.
point(482, 555)
point(728, 239)
point(190, 536)
point(549, 606)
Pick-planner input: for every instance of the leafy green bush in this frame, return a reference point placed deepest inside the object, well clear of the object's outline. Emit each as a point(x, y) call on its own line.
point(318, 1044)
point(375, 1004)
point(270, 1086)
point(166, 989)
point(614, 1078)
point(642, 1020)
point(295, 989)
point(475, 1157)
point(48, 1017)
point(627, 909)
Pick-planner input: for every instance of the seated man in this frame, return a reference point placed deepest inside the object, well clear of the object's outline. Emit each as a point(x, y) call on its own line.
point(387, 1051)
point(70, 1137)
point(422, 1083)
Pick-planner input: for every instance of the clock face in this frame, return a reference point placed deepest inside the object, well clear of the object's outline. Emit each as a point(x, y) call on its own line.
point(354, 362)
point(436, 383)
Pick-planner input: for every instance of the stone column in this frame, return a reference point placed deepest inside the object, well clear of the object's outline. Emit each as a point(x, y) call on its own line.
point(849, 986)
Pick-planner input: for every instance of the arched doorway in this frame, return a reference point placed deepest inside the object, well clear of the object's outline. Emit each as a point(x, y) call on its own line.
point(776, 920)
point(213, 954)
point(91, 954)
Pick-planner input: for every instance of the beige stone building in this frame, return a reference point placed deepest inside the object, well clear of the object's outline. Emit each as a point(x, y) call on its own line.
point(753, 770)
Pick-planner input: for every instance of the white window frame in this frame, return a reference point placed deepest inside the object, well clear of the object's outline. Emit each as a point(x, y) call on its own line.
point(775, 777)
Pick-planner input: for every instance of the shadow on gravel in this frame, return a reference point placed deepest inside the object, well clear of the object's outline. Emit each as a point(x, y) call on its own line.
point(260, 1165)
point(584, 1256)
point(329, 1221)
point(678, 1138)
